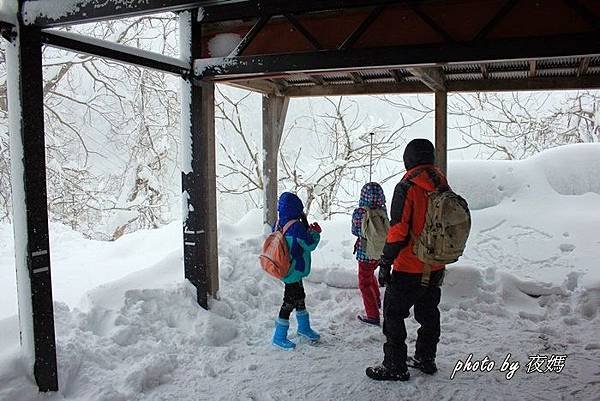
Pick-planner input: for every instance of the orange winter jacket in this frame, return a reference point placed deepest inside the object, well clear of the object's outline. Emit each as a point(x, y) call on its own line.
point(408, 210)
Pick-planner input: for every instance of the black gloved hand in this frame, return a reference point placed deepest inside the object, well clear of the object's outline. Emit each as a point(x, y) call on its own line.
point(385, 273)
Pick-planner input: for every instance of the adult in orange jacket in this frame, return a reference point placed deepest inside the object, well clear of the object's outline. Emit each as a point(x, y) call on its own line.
point(404, 286)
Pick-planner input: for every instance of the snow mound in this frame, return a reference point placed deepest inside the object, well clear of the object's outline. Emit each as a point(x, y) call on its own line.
point(222, 45)
point(567, 170)
point(573, 169)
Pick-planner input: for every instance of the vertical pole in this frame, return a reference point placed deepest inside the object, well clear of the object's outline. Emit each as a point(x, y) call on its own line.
point(198, 172)
point(441, 130)
point(30, 210)
point(274, 113)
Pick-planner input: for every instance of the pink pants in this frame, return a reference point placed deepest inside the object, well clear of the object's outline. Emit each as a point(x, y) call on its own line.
point(369, 288)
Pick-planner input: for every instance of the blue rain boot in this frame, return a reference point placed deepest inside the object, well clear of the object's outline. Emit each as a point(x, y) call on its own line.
point(304, 326)
point(280, 336)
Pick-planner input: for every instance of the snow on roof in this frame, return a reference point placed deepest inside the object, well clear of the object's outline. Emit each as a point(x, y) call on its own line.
point(50, 9)
point(8, 11)
point(56, 9)
point(223, 44)
point(217, 63)
point(122, 48)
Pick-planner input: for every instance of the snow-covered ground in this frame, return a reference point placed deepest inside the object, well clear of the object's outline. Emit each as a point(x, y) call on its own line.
point(128, 327)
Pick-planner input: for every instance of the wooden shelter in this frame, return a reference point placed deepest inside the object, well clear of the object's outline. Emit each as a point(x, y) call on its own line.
point(287, 48)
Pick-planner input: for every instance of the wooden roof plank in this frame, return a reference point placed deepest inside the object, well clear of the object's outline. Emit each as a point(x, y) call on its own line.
point(479, 85)
point(432, 77)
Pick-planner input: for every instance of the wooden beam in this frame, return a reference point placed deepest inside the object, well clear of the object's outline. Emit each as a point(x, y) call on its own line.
point(246, 40)
point(38, 12)
point(499, 16)
point(8, 31)
point(199, 188)
point(396, 75)
point(30, 207)
point(274, 113)
point(432, 24)
point(208, 199)
point(280, 82)
point(583, 66)
point(485, 85)
point(357, 89)
point(364, 25)
point(235, 10)
point(393, 57)
point(115, 51)
point(527, 84)
point(441, 130)
point(307, 35)
point(356, 78)
point(432, 77)
point(532, 68)
point(584, 12)
point(257, 85)
point(484, 71)
point(317, 79)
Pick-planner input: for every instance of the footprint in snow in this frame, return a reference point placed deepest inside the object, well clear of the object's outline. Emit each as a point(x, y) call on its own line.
point(566, 248)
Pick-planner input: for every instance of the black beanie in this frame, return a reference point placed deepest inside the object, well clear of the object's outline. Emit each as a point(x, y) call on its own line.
point(418, 151)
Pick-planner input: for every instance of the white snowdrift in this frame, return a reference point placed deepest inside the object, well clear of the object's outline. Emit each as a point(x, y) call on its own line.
point(567, 170)
point(528, 284)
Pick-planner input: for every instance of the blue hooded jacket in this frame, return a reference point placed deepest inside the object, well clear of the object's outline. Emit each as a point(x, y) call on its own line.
point(300, 239)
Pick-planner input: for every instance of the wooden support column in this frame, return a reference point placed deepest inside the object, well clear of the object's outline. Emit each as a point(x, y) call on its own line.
point(274, 113)
point(441, 129)
point(198, 173)
point(30, 210)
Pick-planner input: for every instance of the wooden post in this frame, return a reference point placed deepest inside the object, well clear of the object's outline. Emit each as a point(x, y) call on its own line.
point(274, 113)
point(441, 129)
point(30, 210)
point(199, 174)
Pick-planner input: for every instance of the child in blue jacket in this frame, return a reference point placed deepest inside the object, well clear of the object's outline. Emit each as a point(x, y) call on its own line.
point(301, 239)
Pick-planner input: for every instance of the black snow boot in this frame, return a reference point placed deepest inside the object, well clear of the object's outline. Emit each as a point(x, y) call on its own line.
point(381, 372)
point(425, 365)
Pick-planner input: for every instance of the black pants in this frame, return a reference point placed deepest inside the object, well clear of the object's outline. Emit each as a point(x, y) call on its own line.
point(403, 292)
point(293, 298)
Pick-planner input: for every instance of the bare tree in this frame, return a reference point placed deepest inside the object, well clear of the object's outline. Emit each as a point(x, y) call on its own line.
point(324, 166)
point(239, 168)
point(515, 125)
point(341, 154)
point(111, 133)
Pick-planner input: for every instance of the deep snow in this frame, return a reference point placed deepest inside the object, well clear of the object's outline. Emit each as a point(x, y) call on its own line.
point(528, 284)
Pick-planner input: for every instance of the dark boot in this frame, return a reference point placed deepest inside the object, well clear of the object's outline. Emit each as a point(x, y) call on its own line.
point(381, 372)
point(425, 365)
point(373, 321)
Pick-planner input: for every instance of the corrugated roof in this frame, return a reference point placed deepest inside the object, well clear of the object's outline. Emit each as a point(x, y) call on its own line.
point(484, 73)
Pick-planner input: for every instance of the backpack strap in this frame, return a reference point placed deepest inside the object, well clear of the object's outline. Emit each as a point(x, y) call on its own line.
point(287, 226)
point(425, 277)
point(439, 187)
point(415, 173)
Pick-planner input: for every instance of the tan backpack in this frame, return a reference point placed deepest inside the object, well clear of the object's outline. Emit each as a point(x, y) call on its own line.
point(275, 256)
point(447, 226)
point(374, 228)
